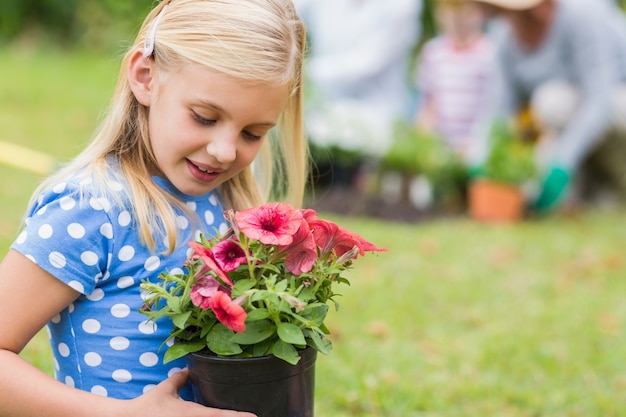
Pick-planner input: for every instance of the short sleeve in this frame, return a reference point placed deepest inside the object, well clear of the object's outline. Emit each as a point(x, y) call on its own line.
point(69, 235)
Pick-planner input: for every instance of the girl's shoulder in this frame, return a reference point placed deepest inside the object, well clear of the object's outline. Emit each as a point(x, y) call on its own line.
point(84, 190)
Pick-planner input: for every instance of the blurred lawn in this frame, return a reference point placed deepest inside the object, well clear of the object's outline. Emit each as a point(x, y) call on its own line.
point(457, 319)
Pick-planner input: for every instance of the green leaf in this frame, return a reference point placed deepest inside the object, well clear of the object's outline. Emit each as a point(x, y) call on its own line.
point(243, 285)
point(180, 320)
point(322, 345)
point(256, 315)
point(316, 313)
point(263, 348)
point(178, 350)
point(218, 340)
point(281, 286)
point(259, 295)
point(290, 333)
point(285, 352)
point(255, 332)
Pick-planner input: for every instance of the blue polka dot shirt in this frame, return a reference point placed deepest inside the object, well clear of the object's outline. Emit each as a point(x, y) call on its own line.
point(101, 343)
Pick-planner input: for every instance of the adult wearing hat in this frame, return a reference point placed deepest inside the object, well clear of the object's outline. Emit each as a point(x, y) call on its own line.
point(566, 60)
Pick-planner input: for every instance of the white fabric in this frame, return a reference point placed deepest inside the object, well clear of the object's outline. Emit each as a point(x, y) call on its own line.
point(358, 69)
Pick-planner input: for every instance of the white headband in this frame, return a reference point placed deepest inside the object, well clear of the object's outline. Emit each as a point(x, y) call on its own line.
point(148, 43)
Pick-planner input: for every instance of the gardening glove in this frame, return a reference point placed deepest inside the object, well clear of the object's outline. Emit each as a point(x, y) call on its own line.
point(475, 171)
point(552, 190)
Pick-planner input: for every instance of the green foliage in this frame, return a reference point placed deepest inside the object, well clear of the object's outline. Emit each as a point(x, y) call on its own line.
point(416, 152)
point(97, 23)
point(510, 160)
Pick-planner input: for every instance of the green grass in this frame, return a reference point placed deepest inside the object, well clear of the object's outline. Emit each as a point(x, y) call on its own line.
point(456, 319)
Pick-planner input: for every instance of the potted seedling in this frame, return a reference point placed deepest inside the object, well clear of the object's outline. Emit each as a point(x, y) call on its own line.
point(495, 194)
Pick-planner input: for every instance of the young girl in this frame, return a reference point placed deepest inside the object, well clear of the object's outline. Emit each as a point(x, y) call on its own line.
point(455, 73)
point(198, 94)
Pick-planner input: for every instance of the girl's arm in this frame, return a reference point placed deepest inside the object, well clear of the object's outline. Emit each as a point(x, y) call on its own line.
point(29, 298)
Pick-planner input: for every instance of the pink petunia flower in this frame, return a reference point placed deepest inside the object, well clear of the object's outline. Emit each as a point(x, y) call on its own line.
point(203, 291)
point(201, 252)
point(301, 254)
point(330, 236)
point(228, 255)
point(271, 224)
point(228, 312)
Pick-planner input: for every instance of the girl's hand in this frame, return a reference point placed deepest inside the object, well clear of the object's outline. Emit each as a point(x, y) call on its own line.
point(164, 401)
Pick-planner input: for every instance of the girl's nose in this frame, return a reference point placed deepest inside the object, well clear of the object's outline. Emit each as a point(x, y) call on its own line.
point(223, 147)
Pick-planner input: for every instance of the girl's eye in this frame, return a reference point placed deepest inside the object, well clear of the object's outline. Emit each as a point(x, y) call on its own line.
point(201, 119)
point(252, 136)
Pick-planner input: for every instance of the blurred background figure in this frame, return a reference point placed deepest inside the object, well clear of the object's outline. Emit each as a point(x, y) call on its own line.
point(564, 62)
point(360, 51)
point(455, 76)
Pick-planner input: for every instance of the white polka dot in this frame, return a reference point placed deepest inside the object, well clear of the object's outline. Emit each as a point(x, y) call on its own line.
point(213, 200)
point(120, 311)
point(147, 327)
point(64, 350)
point(76, 230)
point(67, 203)
point(91, 326)
point(56, 319)
point(126, 253)
point(45, 231)
point(144, 295)
point(192, 205)
point(152, 263)
point(30, 257)
point(57, 259)
point(196, 236)
point(56, 364)
point(77, 286)
point(96, 295)
point(209, 218)
point(173, 371)
point(100, 204)
point(115, 186)
point(125, 282)
point(148, 388)
point(99, 390)
point(119, 343)
point(122, 375)
point(21, 238)
point(177, 271)
point(169, 342)
point(106, 230)
point(124, 218)
point(182, 222)
point(59, 188)
point(42, 211)
point(93, 359)
point(223, 228)
point(149, 359)
point(89, 258)
point(69, 381)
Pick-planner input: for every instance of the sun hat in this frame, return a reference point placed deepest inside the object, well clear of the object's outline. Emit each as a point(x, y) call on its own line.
point(512, 4)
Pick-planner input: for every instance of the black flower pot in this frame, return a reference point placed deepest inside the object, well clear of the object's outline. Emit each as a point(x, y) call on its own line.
point(266, 386)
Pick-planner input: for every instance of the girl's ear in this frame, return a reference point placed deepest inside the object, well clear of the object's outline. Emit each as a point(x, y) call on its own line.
point(140, 75)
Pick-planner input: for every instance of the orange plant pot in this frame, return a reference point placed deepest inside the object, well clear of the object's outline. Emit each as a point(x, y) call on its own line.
point(495, 202)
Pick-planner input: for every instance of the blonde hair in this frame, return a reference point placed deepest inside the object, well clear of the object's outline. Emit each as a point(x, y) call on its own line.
point(259, 40)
